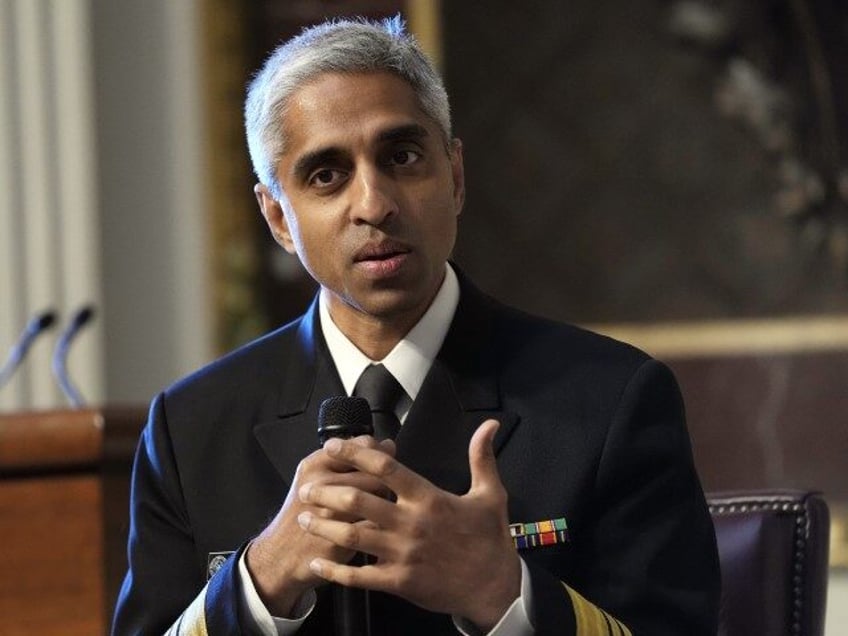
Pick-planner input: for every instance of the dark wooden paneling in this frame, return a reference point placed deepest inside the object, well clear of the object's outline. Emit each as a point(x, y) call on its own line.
point(51, 556)
point(769, 421)
point(64, 513)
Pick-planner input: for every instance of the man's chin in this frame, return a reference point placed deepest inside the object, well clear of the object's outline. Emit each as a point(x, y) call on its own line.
point(394, 304)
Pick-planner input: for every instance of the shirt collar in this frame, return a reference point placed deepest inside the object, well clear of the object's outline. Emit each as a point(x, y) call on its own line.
point(411, 358)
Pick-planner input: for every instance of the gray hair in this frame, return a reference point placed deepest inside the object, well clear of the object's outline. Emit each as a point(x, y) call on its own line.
point(336, 46)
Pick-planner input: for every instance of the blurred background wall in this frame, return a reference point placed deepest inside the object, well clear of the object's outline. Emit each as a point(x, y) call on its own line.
point(103, 197)
point(671, 172)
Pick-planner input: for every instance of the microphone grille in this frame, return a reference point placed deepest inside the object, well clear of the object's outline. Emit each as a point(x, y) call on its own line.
point(43, 321)
point(83, 316)
point(344, 417)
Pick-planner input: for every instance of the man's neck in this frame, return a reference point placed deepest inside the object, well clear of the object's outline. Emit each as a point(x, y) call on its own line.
point(376, 336)
point(410, 359)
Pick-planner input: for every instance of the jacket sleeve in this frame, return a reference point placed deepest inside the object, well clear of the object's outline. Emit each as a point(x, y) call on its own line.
point(648, 560)
point(166, 585)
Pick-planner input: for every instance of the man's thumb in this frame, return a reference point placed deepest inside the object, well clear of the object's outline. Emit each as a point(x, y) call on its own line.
point(481, 455)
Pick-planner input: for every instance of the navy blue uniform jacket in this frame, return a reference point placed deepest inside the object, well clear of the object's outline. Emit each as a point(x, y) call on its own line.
point(592, 431)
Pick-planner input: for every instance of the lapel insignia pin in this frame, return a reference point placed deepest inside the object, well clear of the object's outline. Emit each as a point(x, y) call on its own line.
point(215, 561)
point(539, 533)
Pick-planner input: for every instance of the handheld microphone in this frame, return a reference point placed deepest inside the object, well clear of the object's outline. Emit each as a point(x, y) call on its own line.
point(60, 355)
point(346, 417)
point(37, 325)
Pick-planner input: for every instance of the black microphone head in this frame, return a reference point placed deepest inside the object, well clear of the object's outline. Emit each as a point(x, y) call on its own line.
point(344, 417)
point(82, 316)
point(42, 321)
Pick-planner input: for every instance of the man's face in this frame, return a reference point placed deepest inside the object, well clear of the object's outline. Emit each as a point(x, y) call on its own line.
point(371, 196)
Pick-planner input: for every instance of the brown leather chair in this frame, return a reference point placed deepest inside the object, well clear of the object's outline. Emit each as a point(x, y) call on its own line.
point(773, 548)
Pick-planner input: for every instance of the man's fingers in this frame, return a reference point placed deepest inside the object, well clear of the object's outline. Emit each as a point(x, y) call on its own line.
point(365, 441)
point(382, 465)
point(359, 481)
point(359, 537)
point(334, 572)
point(481, 456)
point(368, 577)
point(350, 501)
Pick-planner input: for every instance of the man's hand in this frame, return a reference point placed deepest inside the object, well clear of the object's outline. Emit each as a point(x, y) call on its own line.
point(278, 558)
point(443, 552)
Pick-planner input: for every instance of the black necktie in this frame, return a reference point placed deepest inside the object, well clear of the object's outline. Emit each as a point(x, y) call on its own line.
point(383, 391)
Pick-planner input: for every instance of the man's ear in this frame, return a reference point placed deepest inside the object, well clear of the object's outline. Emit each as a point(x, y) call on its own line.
point(458, 173)
point(272, 210)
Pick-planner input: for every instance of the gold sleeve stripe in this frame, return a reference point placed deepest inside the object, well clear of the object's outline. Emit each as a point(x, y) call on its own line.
point(616, 626)
point(590, 620)
point(612, 625)
point(192, 622)
point(621, 626)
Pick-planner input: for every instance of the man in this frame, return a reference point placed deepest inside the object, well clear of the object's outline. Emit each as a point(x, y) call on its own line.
point(542, 479)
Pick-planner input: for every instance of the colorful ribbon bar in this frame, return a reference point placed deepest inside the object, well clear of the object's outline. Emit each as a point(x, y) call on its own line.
point(539, 533)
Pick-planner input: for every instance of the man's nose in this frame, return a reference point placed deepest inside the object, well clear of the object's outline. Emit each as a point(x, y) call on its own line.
point(374, 198)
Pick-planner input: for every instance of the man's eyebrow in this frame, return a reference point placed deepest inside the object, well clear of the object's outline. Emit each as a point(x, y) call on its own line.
point(308, 162)
point(407, 132)
point(311, 160)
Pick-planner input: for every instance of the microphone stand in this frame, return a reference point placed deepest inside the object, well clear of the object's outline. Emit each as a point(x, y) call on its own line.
point(35, 327)
point(60, 356)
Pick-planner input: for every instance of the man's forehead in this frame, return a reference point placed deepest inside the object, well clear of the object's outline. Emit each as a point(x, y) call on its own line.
point(399, 129)
point(367, 104)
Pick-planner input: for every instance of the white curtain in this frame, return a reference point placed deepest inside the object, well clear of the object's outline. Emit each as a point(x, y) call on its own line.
point(48, 214)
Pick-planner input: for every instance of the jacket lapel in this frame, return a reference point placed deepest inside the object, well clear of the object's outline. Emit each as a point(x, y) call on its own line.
point(309, 379)
point(459, 393)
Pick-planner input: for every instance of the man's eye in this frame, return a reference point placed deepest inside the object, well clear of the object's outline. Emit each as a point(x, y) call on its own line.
point(405, 157)
point(326, 177)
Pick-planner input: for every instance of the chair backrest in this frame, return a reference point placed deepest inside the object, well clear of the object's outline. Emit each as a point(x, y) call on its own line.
point(773, 548)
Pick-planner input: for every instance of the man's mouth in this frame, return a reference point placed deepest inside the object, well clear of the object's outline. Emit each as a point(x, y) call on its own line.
point(382, 260)
point(382, 251)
